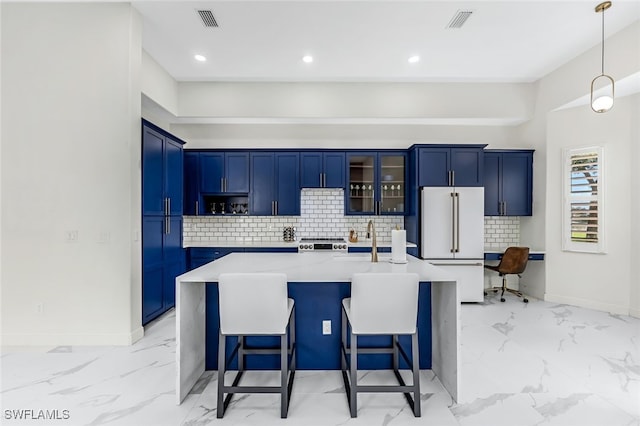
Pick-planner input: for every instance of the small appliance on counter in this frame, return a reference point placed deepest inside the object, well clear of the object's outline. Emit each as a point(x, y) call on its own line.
point(289, 234)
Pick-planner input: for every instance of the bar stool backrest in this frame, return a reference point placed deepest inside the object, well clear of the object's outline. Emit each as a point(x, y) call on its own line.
point(384, 303)
point(253, 303)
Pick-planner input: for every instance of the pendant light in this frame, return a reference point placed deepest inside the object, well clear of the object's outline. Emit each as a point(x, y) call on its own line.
point(603, 83)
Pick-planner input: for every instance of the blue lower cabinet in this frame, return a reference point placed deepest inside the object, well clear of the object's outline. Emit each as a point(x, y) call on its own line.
point(315, 303)
point(368, 249)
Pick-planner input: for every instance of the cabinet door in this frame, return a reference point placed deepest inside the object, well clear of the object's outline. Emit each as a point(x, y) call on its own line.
point(391, 184)
point(173, 259)
point(211, 172)
point(311, 169)
point(517, 184)
point(434, 166)
point(262, 193)
point(237, 172)
point(467, 165)
point(153, 267)
point(190, 191)
point(360, 195)
point(173, 175)
point(287, 184)
point(152, 172)
point(492, 186)
point(334, 169)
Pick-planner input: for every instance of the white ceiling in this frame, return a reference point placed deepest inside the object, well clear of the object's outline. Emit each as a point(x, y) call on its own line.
point(502, 41)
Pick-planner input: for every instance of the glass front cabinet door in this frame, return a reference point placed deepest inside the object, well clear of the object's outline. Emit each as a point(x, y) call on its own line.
point(376, 184)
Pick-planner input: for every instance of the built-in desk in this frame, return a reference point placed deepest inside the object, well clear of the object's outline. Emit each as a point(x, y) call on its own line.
point(313, 269)
point(497, 255)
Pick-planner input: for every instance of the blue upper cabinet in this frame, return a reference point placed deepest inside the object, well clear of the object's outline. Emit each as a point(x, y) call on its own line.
point(322, 169)
point(275, 184)
point(450, 166)
point(174, 176)
point(191, 183)
point(153, 195)
point(162, 172)
point(376, 183)
point(224, 172)
point(508, 176)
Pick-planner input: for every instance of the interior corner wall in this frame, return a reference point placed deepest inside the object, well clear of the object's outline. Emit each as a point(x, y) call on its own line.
point(599, 281)
point(634, 158)
point(70, 205)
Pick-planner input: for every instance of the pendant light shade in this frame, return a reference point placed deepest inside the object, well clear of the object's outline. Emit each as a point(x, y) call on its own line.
point(603, 86)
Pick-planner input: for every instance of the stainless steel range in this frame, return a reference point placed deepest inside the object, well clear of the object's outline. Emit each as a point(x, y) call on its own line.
point(322, 244)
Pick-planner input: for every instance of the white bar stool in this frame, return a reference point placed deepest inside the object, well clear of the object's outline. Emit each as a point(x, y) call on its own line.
point(255, 304)
point(381, 304)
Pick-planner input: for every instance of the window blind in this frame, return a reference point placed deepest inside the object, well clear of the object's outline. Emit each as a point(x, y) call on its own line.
point(584, 197)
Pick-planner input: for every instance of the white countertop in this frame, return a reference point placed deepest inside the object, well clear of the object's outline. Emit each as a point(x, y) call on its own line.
point(275, 244)
point(312, 267)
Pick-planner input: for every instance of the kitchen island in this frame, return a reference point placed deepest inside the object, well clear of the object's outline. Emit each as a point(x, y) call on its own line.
point(318, 270)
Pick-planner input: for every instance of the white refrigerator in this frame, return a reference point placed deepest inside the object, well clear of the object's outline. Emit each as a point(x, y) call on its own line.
point(452, 227)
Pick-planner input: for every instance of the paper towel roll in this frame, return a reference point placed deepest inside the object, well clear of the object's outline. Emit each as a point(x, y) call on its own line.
point(398, 246)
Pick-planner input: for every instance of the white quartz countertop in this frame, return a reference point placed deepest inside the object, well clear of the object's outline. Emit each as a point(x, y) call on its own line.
point(275, 244)
point(312, 267)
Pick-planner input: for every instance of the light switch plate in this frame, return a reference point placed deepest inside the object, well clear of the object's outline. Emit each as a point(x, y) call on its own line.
point(326, 327)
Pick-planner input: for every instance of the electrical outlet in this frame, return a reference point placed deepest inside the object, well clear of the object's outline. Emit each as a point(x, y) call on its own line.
point(71, 236)
point(104, 237)
point(326, 327)
point(40, 308)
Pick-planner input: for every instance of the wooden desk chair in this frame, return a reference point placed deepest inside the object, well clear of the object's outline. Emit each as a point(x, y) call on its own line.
point(513, 262)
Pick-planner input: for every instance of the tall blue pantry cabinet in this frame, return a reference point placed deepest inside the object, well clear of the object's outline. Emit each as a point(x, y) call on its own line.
point(162, 253)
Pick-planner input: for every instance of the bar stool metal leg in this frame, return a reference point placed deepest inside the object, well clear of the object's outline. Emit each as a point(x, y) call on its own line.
point(353, 395)
point(221, 371)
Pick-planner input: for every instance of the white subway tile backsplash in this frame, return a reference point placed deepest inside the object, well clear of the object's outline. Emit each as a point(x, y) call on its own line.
point(501, 232)
point(322, 215)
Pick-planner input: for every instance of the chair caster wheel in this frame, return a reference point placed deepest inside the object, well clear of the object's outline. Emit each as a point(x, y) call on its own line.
point(525, 300)
point(502, 299)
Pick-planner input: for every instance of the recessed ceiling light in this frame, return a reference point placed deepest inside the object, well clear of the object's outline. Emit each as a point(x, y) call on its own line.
point(307, 59)
point(414, 59)
point(200, 58)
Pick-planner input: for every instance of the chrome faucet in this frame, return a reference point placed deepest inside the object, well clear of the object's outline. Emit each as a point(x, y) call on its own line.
point(371, 228)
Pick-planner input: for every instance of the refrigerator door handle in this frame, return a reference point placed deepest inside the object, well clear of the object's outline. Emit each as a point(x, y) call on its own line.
point(457, 198)
point(453, 223)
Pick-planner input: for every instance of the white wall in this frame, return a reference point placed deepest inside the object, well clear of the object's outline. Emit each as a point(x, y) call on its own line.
point(600, 281)
point(70, 162)
point(158, 85)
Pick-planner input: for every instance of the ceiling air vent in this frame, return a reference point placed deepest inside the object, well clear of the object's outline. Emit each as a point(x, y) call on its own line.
point(208, 20)
point(459, 18)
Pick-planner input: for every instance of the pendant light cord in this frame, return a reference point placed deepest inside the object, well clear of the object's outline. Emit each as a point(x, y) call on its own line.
point(603, 42)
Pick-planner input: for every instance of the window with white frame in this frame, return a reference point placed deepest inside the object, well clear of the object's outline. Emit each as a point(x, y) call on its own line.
point(583, 210)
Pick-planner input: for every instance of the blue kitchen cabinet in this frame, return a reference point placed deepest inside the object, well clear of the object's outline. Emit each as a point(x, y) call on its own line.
point(508, 186)
point(450, 166)
point(199, 256)
point(324, 169)
point(224, 172)
point(162, 203)
point(376, 183)
point(191, 205)
point(275, 184)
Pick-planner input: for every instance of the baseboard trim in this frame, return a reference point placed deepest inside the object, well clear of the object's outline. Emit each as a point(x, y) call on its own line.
point(587, 303)
point(634, 313)
point(72, 339)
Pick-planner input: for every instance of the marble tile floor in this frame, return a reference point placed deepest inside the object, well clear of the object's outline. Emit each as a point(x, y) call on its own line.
point(522, 364)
